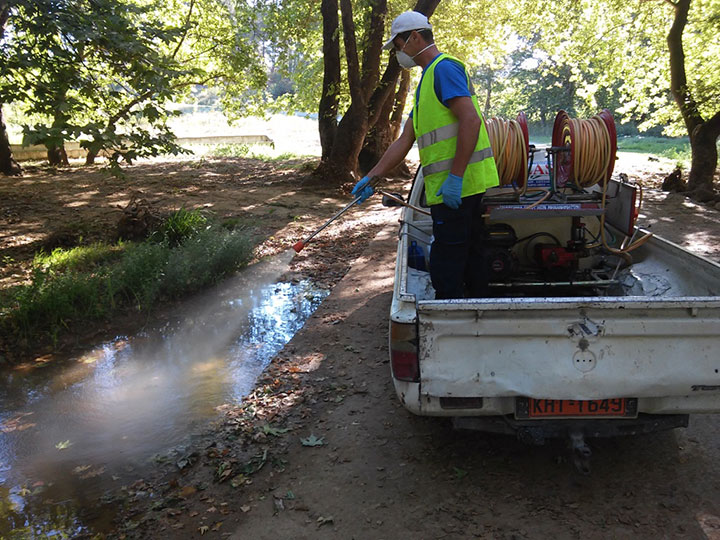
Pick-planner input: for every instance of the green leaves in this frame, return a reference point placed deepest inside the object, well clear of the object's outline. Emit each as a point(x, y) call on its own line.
point(104, 71)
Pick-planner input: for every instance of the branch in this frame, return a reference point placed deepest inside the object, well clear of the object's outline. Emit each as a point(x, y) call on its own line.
point(678, 80)
point(187, 28)
point(4, 14)
point(351, 51)
point(384, 89)
point(373, 47)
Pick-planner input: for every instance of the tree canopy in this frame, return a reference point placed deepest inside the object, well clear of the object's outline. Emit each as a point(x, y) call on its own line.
point(104, 71)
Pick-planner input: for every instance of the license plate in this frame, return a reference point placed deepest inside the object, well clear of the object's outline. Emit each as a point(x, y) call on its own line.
point(530, 408)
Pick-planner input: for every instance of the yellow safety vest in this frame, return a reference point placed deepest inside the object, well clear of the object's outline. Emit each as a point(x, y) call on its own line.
point(436, 129)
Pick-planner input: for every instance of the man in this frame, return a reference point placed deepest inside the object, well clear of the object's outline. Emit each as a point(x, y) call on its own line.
point(455, 155)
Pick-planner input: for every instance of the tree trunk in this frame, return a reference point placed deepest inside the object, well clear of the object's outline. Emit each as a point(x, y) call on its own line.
point(703, 145)
point(399, 104)
point(8, 165)
point(343, 142)
point(386, 130)
point(93, 150)
point(57, 156)
point(328, 110)
point(703, 135)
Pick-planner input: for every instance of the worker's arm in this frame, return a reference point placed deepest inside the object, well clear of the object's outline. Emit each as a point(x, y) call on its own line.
point(468, 131)
point(396, 152)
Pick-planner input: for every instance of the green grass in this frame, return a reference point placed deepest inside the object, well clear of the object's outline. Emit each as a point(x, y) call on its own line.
point(79, 258)
point(676, 149)
point(92, 283)
point(180, 225)
point(262, 152)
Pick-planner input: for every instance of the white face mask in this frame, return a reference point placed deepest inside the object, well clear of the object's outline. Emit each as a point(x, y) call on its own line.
point(405, 60)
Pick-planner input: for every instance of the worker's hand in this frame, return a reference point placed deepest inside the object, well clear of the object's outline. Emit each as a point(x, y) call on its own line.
point(363, 189)
point(451, 191)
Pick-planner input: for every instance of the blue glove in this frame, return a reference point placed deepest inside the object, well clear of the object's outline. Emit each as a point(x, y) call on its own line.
point(363, 189)
point(451, 191)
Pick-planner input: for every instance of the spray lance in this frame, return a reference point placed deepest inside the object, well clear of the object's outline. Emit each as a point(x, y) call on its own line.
point(298, 247)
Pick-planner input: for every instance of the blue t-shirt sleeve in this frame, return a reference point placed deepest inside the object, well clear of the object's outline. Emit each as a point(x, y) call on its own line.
point(450, 81)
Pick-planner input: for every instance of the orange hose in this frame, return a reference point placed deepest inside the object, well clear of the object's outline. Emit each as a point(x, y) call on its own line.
point(510, 152)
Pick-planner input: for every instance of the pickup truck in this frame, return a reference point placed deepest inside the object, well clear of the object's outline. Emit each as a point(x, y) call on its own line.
point(577, 345)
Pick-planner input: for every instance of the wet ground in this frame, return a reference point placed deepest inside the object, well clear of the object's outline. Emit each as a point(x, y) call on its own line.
point(70, 433)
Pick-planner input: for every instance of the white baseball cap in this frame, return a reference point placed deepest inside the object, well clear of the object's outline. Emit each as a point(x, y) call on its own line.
point(410, 20)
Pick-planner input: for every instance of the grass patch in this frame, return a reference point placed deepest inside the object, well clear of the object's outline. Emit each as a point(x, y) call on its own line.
point(81, 258)
point(262, 152)
point(92, 283)
point(674, 149)
point(180, 225)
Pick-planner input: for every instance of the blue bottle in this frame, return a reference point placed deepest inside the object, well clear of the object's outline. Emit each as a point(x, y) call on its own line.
point(416, 257)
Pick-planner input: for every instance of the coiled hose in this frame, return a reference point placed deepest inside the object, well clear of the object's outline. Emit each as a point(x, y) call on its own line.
point(593, 148)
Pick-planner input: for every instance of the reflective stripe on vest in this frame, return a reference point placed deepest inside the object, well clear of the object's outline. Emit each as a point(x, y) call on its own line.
point(436, 130)
point(439, 134)
point(445, 165)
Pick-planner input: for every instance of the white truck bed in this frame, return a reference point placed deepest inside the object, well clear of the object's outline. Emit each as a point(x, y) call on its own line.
point(656, 340)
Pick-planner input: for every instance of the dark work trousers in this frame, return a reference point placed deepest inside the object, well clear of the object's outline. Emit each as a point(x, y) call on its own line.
point(457, 256)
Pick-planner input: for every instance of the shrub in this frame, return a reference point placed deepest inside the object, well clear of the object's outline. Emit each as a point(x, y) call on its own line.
point(84, 284)
point(179, 226)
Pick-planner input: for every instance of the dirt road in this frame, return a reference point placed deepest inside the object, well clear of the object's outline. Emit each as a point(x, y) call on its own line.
point(367, 468)
point(382, 473)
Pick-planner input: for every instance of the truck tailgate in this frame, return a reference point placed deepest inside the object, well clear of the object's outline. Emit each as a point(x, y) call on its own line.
point(569, 348)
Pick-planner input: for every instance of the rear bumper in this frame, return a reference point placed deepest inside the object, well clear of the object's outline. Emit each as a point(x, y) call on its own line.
point(700, 401)
point(536, 431)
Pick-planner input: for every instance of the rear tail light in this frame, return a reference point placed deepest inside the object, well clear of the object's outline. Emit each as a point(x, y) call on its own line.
point(404, 352)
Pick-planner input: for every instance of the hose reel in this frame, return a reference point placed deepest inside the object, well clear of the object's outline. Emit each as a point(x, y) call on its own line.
point(592, 147)
point(510, 142)
point(582, 155)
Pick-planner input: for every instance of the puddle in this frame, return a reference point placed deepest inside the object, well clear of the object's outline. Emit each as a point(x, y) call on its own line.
point(71, 433)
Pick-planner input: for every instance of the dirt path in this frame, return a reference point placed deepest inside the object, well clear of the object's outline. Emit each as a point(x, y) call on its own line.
point(384, 473)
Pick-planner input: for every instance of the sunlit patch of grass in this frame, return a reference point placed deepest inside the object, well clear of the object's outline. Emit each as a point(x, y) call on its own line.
point(78, 258)
point(260, 152)
point(676, 149)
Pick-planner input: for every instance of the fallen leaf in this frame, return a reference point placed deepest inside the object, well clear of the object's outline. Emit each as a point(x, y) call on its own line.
point(203, 529)
point(245, 509)
point(312, 440)
point(187, 491)
point(459, 473)
point(217, 526)
point(275, 432)
point(63, 445)
point(238, 481)
point(92, 473)
point(324, 520)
